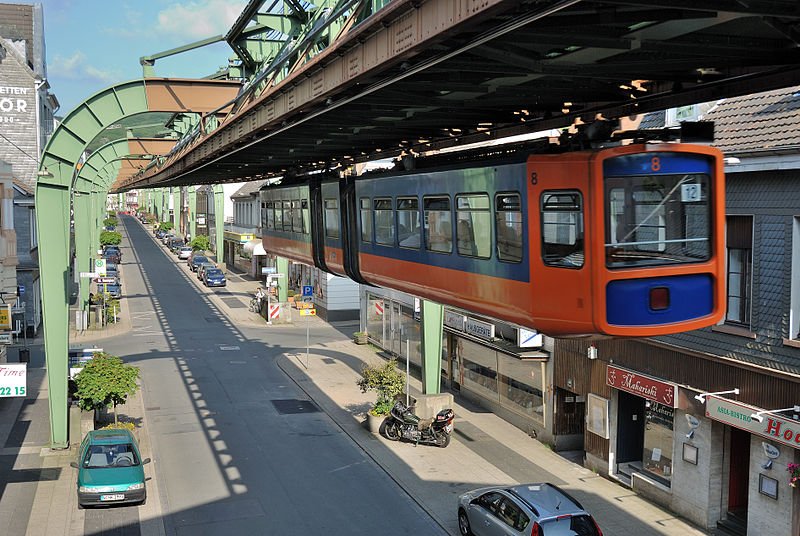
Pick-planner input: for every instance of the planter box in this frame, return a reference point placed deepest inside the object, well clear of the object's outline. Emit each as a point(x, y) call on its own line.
point(374, 423)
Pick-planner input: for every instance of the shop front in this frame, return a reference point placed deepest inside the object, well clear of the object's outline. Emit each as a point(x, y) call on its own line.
point(645, 420)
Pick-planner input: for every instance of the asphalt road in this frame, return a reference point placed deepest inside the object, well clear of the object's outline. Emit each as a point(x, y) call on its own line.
point(239, 448)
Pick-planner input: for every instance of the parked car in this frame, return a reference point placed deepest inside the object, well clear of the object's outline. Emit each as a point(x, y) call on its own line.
point(110, 469)
point(213, 277)
point(159, 233)
point(112, 256)
point(185, 252)
point(529, 509)
point(175, 244)
point(166, 238)
point(114, 289)
point(112, 270)
point(203, 267)
point(197, 260)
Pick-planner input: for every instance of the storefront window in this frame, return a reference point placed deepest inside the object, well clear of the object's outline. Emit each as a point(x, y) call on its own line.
point(479, 369)
point(521, 385)
point(658, 442)
point(375, 313)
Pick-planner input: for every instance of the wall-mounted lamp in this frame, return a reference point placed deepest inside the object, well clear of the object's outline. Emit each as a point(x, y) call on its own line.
point(591, 352)
point(702, 396)
point(757, 416)
point(690, 434)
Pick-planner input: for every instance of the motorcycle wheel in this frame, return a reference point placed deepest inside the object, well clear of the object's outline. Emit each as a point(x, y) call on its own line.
point(443, 441)
point(389, 430)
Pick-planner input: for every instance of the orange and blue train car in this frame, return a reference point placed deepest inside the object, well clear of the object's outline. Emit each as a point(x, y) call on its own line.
point(624, 242)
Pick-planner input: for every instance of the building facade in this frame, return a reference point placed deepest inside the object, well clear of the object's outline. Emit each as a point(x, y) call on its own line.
point(705, 422)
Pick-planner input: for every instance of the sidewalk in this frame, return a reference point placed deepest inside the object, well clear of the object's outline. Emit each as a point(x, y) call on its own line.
point(486, 451)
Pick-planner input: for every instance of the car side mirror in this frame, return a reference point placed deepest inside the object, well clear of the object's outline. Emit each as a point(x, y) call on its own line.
point(74, 465)
point(146, 460)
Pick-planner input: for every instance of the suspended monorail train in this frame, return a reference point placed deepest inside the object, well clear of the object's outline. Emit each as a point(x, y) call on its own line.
point(625, 241)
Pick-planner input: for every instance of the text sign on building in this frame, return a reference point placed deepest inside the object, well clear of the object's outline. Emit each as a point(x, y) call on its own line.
point(641, 385)
point(16, 103)
point(454, 320)
point(13, 378)
point(484, 330)
point(775, 427)
point(5, 316)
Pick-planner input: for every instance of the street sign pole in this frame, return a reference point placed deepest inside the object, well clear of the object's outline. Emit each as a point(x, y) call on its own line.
point(269, 301)
point(307, 342)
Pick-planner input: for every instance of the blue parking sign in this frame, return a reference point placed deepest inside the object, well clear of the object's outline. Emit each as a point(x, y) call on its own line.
point(308, 290)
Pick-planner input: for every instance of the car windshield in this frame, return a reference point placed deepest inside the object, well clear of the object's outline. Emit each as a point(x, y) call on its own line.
point(105, 456)
point(213, 272)
point(579, 525)
point(199, 260)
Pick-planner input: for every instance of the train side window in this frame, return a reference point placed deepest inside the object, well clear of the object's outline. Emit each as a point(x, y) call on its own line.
point(473, 227)
point(562, 228)
point(366, 219)
point(508, 227)
point(297, 220)
point(384, 222)
point(287, 215)
point(278, 215)
point(332, 218)
point(306, 216)
point(408, 222)
point(438, 224)
point(269, 215)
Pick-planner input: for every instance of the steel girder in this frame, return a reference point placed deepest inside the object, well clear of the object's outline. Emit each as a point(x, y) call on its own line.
point(56, 179)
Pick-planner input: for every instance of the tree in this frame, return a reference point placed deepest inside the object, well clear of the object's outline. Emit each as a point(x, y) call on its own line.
point(105, 380)
point(166, 226)
point(110, 222)
point(200, 243)
point(110, 238)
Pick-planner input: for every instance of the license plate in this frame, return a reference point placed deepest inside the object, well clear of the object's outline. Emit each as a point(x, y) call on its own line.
point(114, 497)
point(449, 428)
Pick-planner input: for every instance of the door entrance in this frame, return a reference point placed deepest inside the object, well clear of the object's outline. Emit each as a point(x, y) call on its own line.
point(739, 479)
point(630, 432)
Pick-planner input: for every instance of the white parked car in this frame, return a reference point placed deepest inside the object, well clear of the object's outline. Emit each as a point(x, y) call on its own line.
point(185, 252)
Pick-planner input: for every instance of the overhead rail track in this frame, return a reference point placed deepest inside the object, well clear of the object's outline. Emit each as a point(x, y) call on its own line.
point(423, 75)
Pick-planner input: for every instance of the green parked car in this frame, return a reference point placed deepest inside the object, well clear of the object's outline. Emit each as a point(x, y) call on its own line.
point(110, 469)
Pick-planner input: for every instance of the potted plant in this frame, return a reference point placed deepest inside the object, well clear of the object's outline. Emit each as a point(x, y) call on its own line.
point(794, 474)
point(387, 381)
point(360, 337)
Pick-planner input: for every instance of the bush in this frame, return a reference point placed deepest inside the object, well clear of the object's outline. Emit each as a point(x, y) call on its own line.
point(120, 426)
point(200, 243)
point(110, 238)
point(166, 226)
point(110, 222)
point(386, 380)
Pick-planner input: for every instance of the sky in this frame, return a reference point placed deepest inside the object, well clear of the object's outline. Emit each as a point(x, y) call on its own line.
point(94, 44)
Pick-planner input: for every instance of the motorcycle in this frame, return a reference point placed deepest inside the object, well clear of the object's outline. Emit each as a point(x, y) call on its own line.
point(402, 423)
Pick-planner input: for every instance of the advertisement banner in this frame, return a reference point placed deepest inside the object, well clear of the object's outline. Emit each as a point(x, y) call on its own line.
point(13, 379)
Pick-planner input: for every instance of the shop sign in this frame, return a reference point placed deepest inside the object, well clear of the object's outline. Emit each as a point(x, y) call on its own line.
point(774, 427)
point(484, 330)
point(641, 385)
point(454, 320)
point(5, 316)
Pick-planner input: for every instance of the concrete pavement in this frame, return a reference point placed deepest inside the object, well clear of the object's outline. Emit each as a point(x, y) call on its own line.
point(38, 486)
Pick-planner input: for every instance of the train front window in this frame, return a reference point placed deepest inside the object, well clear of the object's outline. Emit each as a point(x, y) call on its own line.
point(657, 219)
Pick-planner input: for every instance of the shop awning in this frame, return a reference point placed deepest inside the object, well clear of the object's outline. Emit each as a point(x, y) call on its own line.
point(254, 247)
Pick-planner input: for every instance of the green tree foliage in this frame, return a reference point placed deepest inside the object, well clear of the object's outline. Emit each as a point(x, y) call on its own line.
point(110, 221)
point(110, 238)
point(386, 380)
point(166, 226)
point(200, 243)
point(104, 381)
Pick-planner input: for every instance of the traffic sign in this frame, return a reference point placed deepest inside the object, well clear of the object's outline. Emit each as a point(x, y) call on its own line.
point(21, 290)
point(308, 312)
point(90, 274)
point(105, 280)
point(5, 338)
point(308, 290)
point(268, 270)
point(100, 266)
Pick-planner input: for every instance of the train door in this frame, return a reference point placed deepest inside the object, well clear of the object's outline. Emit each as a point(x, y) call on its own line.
point(559, 204)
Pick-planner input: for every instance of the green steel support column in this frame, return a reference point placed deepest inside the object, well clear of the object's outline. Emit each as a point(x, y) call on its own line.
point(283, 283)
point(52, 214)
point(193, 211)
point(432, 318)
point(82, 205)
point(219, 220)
point(176, 207)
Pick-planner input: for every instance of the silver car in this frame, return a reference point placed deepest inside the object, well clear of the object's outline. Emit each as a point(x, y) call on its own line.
point(185, 252)
point(527, 509)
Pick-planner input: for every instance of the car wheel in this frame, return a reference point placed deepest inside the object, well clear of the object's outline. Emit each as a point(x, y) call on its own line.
point(463, 523)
